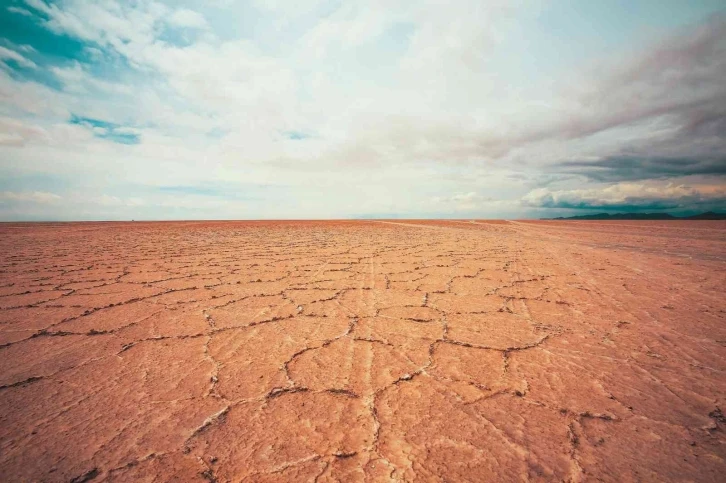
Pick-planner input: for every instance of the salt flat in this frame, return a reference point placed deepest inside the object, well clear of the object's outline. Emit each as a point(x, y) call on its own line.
point(396, 350)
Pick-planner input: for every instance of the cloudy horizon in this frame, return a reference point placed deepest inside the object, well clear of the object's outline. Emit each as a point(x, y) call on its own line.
point(150, 110)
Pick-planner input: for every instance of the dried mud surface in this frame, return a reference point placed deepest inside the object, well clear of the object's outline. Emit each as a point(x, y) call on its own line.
point(363, 351)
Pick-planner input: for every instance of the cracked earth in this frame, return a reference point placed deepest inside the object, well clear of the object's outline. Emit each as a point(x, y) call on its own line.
point(363, 351)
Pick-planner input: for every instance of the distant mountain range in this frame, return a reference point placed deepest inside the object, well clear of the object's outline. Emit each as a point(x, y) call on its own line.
point(709, 215)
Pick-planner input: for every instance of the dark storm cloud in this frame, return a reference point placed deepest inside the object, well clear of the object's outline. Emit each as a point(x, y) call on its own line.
point(681, 78)
point(678, 83)
point(695, 145)
point(631, 197)
point(635, 168)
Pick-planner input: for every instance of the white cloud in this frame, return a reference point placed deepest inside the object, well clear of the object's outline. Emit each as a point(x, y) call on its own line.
point(471, 201)
point(107, 200)
point(77, 79)
point(7, 54)
point(188, 18)
point(30, 196)
point(464, 197)
point(20, 11)
point(23, 98)
point(16, 133)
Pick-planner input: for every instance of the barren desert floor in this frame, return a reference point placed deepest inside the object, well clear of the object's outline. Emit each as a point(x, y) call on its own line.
point(363, 351)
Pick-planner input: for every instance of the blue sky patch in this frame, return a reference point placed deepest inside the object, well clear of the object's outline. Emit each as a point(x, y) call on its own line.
point(21, 29)
point(27, 34)
point(296, 135)
point(108, 130)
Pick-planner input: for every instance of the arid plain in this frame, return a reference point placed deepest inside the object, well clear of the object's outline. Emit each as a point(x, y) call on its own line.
point(363, 351)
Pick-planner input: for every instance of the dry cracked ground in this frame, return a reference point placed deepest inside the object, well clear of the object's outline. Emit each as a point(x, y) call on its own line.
point(363, 351)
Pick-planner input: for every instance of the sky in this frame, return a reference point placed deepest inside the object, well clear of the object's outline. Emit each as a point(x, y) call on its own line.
point(224, 109)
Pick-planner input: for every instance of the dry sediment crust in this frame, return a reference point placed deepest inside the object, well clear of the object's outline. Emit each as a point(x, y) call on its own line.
point(401, 350)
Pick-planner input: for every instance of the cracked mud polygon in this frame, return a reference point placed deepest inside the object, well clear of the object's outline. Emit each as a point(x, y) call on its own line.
point(363, 351)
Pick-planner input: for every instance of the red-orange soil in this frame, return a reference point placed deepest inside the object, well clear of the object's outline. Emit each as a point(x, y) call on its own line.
point(363, 351)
